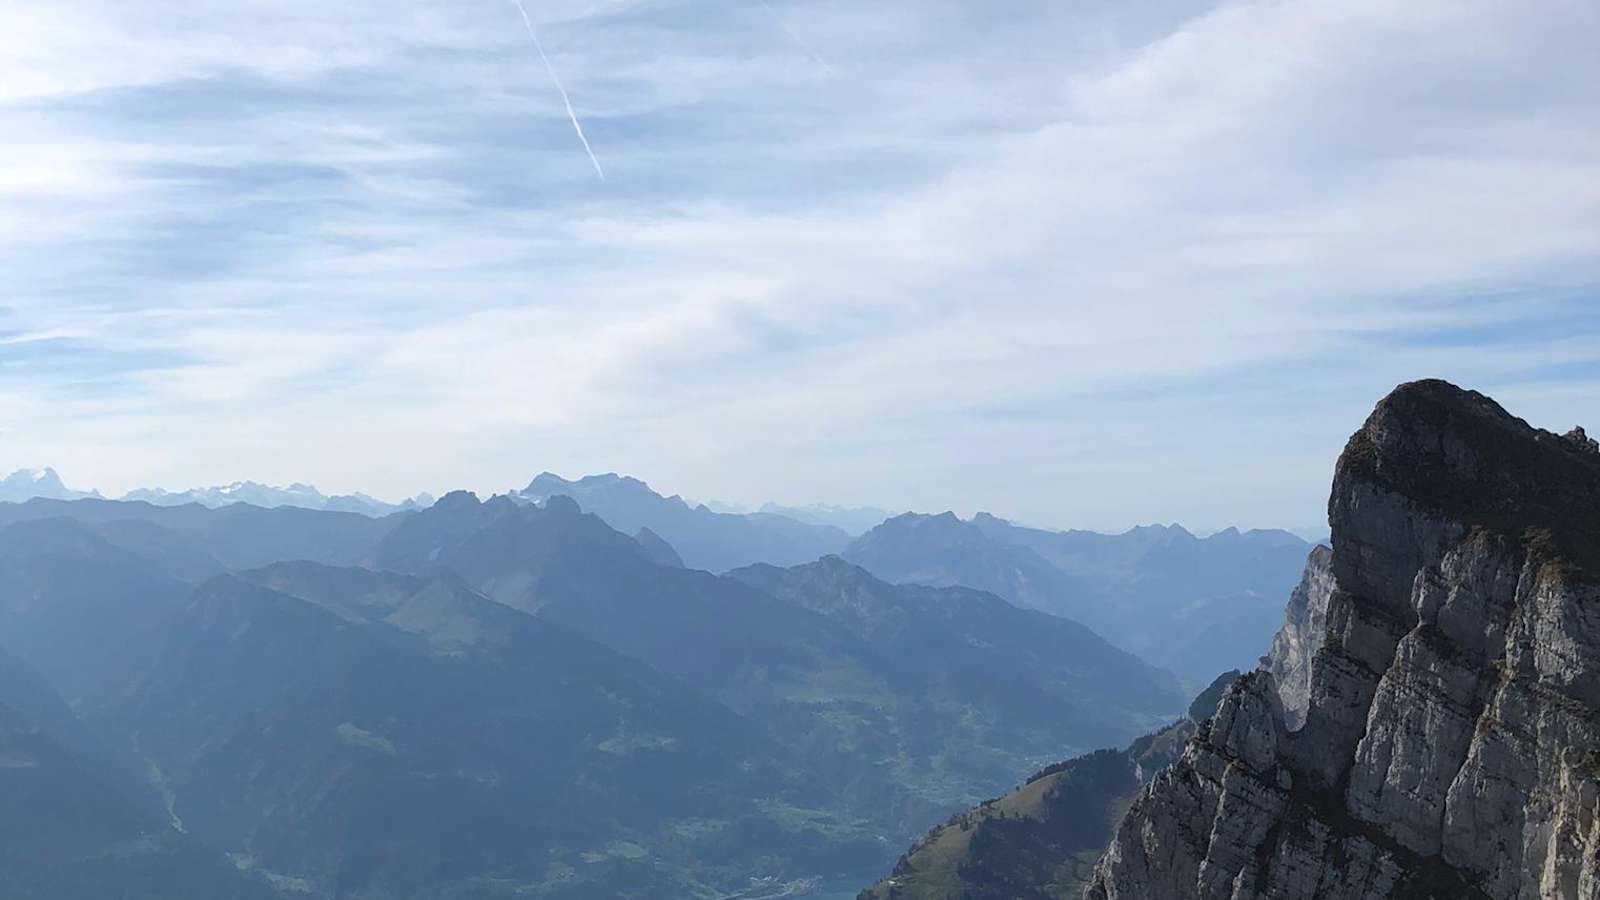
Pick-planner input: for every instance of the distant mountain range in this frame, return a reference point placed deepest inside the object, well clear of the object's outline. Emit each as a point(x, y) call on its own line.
point(1193, 605)
point(619, 495)
point(403, 707)
point(28, 484)
point(334, 692)
point(1196, 605)
point(303, 496)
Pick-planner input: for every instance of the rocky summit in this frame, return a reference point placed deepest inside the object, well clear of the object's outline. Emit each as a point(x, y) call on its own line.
point(1427, 724)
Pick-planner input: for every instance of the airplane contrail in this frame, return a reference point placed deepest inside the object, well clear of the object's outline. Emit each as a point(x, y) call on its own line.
point(571, 113)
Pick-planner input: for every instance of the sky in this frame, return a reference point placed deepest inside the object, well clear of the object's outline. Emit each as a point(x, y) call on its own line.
point(1085, 264)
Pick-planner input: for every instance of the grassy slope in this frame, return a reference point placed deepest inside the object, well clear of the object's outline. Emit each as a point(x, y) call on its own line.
point(1039, 842)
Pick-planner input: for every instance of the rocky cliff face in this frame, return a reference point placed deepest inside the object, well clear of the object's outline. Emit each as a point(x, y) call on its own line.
point(1428, 722)
point(1297, 641)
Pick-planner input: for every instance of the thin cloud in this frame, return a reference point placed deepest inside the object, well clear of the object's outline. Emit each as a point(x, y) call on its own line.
point(1088, 266)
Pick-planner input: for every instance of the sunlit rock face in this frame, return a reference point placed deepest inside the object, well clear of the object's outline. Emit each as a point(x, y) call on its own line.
point(1296, 644)
point(1427, 723)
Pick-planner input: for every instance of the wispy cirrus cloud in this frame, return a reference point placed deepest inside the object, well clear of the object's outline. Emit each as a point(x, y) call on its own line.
point(1091, 265)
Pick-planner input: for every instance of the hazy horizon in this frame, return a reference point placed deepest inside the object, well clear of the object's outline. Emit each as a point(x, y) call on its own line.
point(1307, 531)
point(1081, 267)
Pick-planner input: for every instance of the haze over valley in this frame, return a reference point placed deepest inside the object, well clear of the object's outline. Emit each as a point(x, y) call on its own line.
point(439, 688)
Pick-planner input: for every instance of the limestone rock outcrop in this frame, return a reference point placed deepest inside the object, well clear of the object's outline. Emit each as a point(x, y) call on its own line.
point(1289, 660)
point(1427, 723)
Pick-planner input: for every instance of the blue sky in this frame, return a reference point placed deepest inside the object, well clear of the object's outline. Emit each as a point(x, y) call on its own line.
point(1088, 264)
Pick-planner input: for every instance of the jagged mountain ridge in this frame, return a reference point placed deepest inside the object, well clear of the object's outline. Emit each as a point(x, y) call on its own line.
point(1426, 726)
point(1050, 570)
